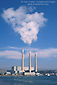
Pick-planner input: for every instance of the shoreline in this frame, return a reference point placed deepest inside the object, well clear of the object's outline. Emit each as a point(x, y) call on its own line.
point(11, 75)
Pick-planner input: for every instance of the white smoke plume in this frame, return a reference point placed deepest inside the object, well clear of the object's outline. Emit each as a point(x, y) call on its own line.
point(25, 22)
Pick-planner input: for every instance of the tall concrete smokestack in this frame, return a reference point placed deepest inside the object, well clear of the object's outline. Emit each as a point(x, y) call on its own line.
point(23, 60)
point(30, 61)
point(36, 62)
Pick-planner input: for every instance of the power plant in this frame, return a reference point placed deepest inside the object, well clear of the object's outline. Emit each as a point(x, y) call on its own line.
point(29, 73)
point(22, 70)
point(23, 60)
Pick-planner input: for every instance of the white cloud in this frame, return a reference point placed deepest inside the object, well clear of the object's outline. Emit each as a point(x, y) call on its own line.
point(51, 52)
point(10, 54)
point(25, 22)
point(16, 54)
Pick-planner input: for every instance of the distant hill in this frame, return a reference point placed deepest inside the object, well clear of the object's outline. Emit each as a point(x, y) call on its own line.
point(3, 71)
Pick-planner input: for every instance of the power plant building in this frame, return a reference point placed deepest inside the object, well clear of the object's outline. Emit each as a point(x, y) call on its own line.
point(15, 69)
point(22, 69)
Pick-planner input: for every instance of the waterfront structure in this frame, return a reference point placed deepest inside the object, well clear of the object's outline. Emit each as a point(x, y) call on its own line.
point(25, 70)
point(18, 68)
point(23, 60)
point(29, 73)
point(15, 69)
point(36, 62)
point(8, 73)
point(30, 61)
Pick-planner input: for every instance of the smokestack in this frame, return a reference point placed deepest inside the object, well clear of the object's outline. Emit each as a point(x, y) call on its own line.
point(30, 61)
point(36, 62)
point(23, 60)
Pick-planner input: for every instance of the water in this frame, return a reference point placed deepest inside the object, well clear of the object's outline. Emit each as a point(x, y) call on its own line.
point(28, 80)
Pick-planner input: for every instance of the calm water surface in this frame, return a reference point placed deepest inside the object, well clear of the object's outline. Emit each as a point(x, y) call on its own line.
point(28, 80)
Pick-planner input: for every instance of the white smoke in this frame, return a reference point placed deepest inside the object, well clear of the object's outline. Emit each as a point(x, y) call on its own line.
point(25, 22)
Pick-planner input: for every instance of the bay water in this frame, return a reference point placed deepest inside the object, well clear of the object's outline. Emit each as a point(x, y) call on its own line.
point(28, 80)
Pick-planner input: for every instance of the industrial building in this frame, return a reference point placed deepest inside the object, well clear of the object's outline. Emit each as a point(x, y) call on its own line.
point(25, 70)
point(15, 69)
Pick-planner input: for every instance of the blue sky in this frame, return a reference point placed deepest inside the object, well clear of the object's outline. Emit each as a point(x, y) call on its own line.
point(42, 38)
